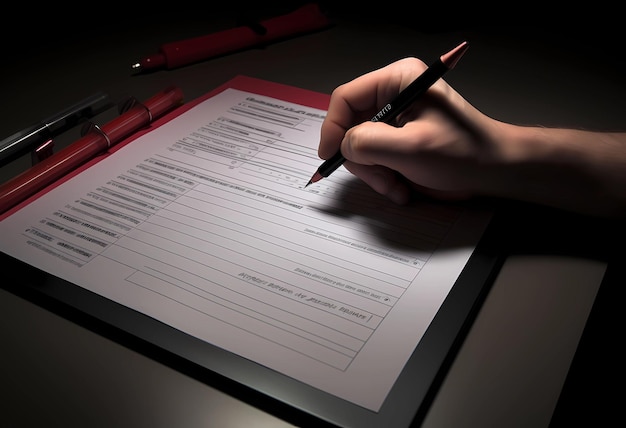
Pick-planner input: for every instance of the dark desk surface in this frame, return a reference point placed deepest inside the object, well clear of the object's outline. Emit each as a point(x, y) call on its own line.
point(512, 369)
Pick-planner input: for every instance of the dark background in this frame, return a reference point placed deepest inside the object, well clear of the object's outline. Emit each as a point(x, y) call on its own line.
point(589, 35)
point(592, 27)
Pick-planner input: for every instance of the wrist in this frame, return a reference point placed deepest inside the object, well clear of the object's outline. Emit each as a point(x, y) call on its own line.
point(572, 169)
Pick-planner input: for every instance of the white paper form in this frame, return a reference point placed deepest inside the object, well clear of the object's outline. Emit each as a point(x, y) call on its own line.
point(205, 224)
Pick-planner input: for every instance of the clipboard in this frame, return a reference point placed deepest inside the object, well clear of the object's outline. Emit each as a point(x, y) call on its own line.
point(276, 393)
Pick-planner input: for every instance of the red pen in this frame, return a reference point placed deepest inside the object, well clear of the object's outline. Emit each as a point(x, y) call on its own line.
point(97, 140)
point(305, 19)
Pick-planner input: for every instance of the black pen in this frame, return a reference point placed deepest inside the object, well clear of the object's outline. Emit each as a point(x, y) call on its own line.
point(416, 89)
point(22, 141)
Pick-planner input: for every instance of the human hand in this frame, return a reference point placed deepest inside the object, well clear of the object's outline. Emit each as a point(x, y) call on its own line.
point(438, 146)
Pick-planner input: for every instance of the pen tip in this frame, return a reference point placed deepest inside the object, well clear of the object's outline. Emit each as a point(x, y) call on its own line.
point(307, 185)
point(315, 178)
point(451, 58)
point(136, 67)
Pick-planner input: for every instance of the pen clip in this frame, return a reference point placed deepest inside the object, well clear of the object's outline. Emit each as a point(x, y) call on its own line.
point(89, 127)
point(126, 104)
point(129, 102)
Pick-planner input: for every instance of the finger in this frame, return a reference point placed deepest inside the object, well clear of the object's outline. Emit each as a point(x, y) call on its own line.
point(383, 180)
point(377, 143)
point(350, 104)
point(359, 100)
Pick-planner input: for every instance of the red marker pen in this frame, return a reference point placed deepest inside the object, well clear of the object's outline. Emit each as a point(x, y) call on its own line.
point(305, 19)
point(96, 141)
